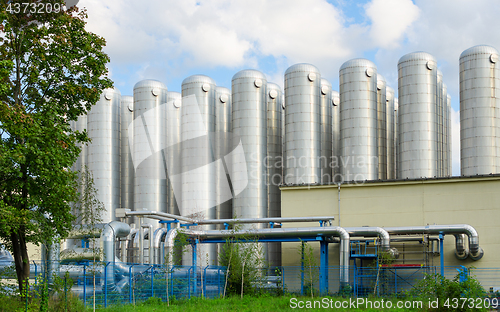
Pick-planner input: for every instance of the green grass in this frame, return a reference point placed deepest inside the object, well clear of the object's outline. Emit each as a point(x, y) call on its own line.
point(248, 303)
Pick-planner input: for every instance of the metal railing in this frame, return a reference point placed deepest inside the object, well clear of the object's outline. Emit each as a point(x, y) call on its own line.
point(132, 283)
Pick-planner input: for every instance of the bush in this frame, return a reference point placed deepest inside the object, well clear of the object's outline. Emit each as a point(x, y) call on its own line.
point(244, 263)
point(448, 292)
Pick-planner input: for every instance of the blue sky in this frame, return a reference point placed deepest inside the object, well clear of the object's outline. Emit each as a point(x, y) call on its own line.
point(169, 40)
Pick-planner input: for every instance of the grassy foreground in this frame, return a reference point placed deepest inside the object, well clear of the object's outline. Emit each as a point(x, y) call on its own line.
point(248, 303)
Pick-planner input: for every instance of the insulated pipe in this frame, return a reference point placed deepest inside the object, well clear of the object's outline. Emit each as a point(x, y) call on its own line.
point(384, 236)
point(272, 233)
point(110, 232)
point(159, 235)
point(461, 252)
point(142, 236)
point(476, 252)
point(167, 216)
point(131, 244)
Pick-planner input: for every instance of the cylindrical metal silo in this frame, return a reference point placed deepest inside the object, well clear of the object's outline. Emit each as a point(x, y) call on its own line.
point(173, 154)
point(337, 177)
point(358, 120)
point(382, 127)
point(326, 131)
point(199, 198)
point(249, 90)
point(81, 162)
point(417, 120)
point(450, 138)
point(283, 154)
point(444, 128)
point(103, 153)
point(274, 162)
point(391, 168)
point(439, 112)
point(302, 124)
point(127, 166)
point(479, 111)
point(223, 130)
point(149, 131)
point(396, 137)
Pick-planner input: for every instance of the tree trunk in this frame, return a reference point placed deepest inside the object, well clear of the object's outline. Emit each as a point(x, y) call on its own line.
point(21, 259)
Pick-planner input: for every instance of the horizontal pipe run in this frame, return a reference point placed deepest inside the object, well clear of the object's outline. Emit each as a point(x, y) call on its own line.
point(271, 233)
point(476, 252)
point(167, 216)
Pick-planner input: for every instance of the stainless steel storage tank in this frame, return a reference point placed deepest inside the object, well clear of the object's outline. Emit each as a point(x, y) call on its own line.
point(173, 152)
point(103, 153)
point(223, 130)
point(149, 131)
point(444, 141)
point(283, 154)
point(417, 120)
point(127, 165)
point(439, 110)
point(274, 162)
point(337, 177)
point(302, 124)
point(249, 91)
point(199, 198)
point(358, 120)
point(81, 162)
point(326, 131)
point(450, 137)
point(382, 127)
point(479, 111)
point(396, 138)
point(391, 162)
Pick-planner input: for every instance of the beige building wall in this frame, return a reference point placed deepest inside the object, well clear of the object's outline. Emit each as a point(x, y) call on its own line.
point(473, 201)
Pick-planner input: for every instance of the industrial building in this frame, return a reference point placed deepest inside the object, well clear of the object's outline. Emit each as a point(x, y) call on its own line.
point(366, 160)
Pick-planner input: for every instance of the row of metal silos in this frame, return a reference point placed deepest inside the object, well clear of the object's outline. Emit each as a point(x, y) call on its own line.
point(210, 152)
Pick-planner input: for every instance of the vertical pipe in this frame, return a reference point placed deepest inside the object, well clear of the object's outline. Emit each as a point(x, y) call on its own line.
point(441, 250)
point(323, 278)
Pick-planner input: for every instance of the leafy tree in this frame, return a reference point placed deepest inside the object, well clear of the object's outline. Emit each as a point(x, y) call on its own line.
point(50, 66)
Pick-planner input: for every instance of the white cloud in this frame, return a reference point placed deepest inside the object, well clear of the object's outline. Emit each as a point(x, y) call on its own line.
point(390, 20)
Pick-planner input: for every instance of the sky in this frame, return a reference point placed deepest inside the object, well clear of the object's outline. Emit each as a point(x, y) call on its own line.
point(170, 40)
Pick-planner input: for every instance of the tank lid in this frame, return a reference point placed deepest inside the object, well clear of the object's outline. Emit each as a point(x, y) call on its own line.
point(479, 49)
point(359, 62)
point(415, 56)
point(250, 73)
point(151, 83)
point(198, 79)
point(302, 67)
